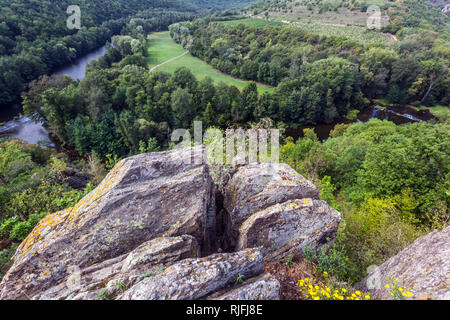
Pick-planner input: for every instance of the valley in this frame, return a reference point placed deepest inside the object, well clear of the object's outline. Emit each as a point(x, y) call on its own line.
point(92, 176)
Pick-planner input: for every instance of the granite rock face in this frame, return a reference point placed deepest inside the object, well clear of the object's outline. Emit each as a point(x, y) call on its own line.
point(424, 266)
point(289, 227)
point(192, 279)
point(255, 187)
point(144, 197)
point(114, 275)
point(272, 206)
point(264, 287)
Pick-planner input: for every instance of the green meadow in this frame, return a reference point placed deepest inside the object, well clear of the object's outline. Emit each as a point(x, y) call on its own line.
point(162, 48)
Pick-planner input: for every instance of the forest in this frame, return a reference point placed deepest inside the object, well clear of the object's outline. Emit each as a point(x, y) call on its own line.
point(34, 39)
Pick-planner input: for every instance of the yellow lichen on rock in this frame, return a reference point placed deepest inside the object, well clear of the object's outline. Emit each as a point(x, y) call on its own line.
point(72, 217)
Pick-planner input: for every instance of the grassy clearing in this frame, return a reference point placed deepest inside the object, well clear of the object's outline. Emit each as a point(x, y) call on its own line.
point(163, 48)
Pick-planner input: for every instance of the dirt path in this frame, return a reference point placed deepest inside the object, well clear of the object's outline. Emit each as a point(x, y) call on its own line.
point(167, 61)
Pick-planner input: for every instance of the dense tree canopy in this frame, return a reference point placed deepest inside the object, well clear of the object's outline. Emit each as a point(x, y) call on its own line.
point(35, 40)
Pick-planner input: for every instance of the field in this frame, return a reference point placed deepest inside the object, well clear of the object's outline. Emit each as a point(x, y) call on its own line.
point(342, 22)
point(166, 55)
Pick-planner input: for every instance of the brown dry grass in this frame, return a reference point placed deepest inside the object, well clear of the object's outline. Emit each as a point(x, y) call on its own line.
point(288, 278)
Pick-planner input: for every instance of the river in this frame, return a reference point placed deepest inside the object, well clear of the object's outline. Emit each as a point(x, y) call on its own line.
point(17, 125)
point(398, 115)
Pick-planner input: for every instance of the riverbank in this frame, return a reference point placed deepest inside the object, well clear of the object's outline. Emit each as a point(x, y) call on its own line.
point(16, 125)
point(396, 114)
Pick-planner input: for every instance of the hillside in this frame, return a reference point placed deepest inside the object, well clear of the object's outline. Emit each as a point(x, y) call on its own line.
point(349, 18)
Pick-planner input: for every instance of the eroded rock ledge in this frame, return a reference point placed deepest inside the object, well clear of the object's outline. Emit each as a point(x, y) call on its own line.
point(423, 267)
point(148, 231)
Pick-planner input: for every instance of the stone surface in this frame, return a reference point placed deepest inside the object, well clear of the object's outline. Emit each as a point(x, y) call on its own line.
point(264, 287)
point(255, 187)
point(192, 279)
point(424, 266)
point(149, 258)
point(75, 179)
point(288, 227)
point(142, 198)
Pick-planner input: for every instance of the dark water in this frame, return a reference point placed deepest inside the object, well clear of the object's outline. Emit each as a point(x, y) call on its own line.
point(16, 125)
point(398, 115)
point(77, 69)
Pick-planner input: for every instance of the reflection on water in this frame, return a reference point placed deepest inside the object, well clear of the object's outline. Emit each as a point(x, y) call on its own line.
point(398, 115)
point(27, 130)
point(77, 69)
point(24, 128)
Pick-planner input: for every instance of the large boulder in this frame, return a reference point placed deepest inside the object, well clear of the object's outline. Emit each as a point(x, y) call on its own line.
point(148, 231)
point(263, 287)
point(289, 227)
point(114, 275)
point(144, 197)
point(424, 266)
point(257, 186)
point(192, 279)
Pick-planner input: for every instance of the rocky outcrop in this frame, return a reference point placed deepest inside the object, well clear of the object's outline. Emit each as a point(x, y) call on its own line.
point(114, 275)
point(264, 287)
point(148, 232)
point(272, 206)
point(144, 197)
point(424, 266)
point(195, 278)
point(257, 186)
point(289, 227)
point(75, 179)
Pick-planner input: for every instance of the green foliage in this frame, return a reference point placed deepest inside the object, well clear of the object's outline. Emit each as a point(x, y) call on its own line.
point(154, 272)
point(239, 279)
point(5, 258)
point(31, 187)
point(104, 295)
point(273, 53)
point(326, 191)
point(389, 182)
point(289, 260)
point(377, 231)
point(334, 263)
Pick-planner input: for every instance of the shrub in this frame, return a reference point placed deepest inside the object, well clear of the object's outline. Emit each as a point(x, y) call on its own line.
point(335, 263)
point(374, 233)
